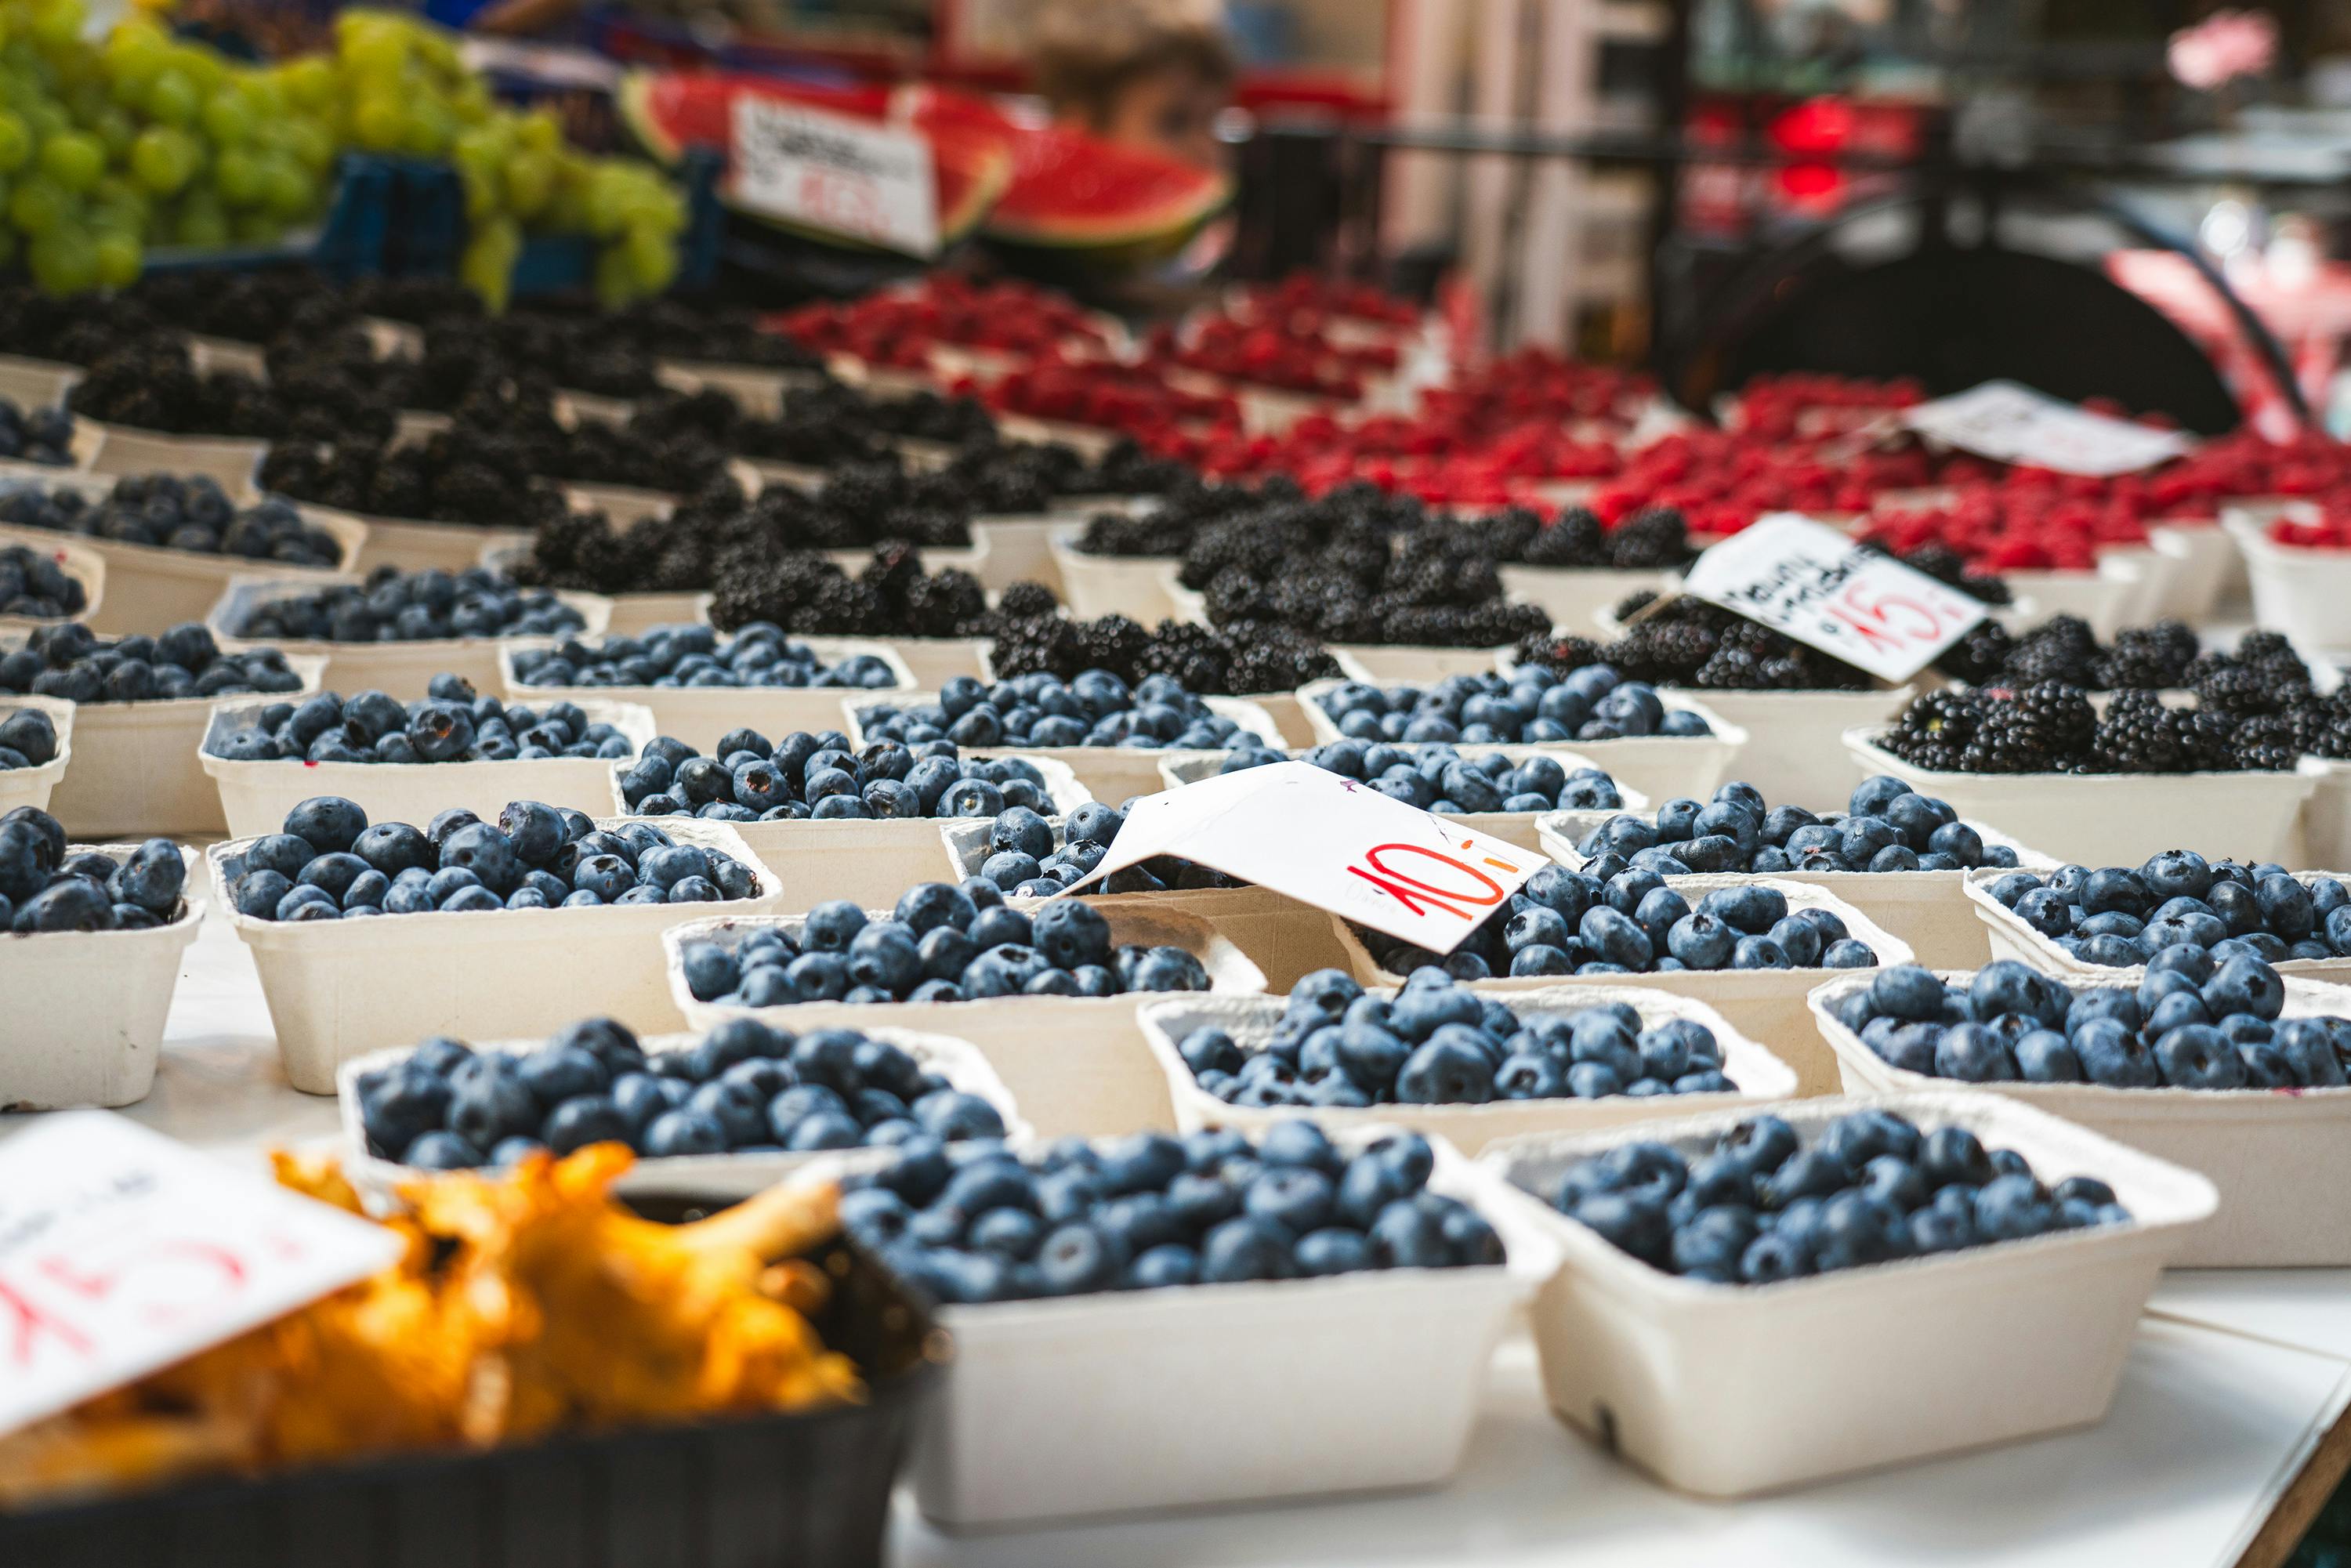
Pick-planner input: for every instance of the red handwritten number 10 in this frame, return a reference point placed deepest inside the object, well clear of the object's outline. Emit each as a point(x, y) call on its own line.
point(1420, 896)
point(1890, 620)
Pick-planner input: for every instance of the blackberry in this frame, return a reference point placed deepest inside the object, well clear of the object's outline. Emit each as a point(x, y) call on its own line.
point(2155, 656)
point(2265, 743)
point(1979, 656)
point(2138, 733)
point(1653, 536)
point(2062, 649)
point(1575, 537)
point(1025, 599)
point(2243, 690)
point(2043, 728)
point(1936, 729)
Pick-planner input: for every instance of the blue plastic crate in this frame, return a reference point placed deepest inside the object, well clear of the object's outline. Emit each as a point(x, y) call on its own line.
point(350, 241)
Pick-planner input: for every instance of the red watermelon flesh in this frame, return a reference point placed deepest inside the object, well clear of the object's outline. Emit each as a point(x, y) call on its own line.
point(1071, 190)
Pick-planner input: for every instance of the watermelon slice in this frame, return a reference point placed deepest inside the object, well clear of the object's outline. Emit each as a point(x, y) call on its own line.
point(1071, 192)
point(670, 112)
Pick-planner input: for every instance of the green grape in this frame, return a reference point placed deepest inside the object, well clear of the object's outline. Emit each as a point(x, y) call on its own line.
point(115, 258)
point(379, 122)
point(285, 189)
point(202, 223)
point(530, 181)
point(16, 142)
point(311, 83)
point(163, 159)
point(171, 98)
point(39, 204)
point(238, 175)
point(256, 226)
point(308, 144)
point(376, 52)
point(47, 117)
point(116, 131)
point(74, 159)
point(63, 261)
point(227, 118)
point(57, 26)
point(429, 129)
point(485, 192)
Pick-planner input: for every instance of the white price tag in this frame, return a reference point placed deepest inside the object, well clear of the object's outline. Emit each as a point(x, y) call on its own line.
point(1824, 590)
point(122, 1252)
point(2015, 423)
point(1334, 843)
point(873, 182)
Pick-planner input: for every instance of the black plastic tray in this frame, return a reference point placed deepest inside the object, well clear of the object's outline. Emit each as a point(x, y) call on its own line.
point(808, 1491)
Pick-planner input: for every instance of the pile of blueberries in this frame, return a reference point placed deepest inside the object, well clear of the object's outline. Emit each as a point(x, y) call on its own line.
point(753, 779)
point(69, 662)
point(329, 864)
point(977, 1224)
point(742, 1088)
point(940, 945)
point(1095, 708)
point(1887, 826)
point(27, 740)
point(2192, 1023)
point(1530, 705)
point(1437, 777)
point(33, 584)
point(2122, 916)
point(1023, 861)
point(43, 436)
point(396, 606)
point(759, 655)
point(1759, 1206)
point(1611, 919)
point(173, 513)
point(44, 888)
point(1439, 1043)
point(450, 723)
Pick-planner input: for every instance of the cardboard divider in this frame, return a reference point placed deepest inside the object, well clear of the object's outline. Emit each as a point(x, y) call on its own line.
point(1217, 1395)
point(255, 796)
point(2008, 936)
point(1075, 1065)
point(32, 786)
point(700, 715)
point(80, 563)
point(338, 988)
point(404, 670)
point(1020, 549)
point(1732, 1390)
point(719, 1177)
point(34, 384)
point(1927, 909)
point(2268, 1152)
point(1761, 1077)
point(2115, 819)
point(1767, 1005)
point(87, 1007)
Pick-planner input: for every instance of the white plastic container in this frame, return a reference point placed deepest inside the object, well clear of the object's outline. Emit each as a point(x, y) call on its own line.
point(1076, 1064)
point(404, 670)
point(1658, 766)
point(255, 796)
point(700, 715)
point(1134, 1401)
point(1520, 828)
point(1094, 586)
point(1020, 549)
point(1733, 1390)
point(2279, 1157)
point(867, 861)
point(1761, 1077)
point(125, 449)
point(87, 1009)
point(2008, 936)
point(2304, 593)
point(137, 768)
point(1769, 1005)
point(1112, 773)
point(80, 563)
point(1576, 597)
point(2107, 597)
point(2205, 566)
point(339, 988)
point(2115, 819)
point(32, 786)
point(1928, 909)
point(729, 1175)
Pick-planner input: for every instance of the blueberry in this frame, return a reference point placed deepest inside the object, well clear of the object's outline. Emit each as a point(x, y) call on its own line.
point(328, 824)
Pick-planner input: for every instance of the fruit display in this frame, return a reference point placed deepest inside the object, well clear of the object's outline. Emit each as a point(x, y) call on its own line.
point(1289, 358)
point(1577, 539)
point(1887, 826)
point(1111, 394)
point(1095, 708)
point(1152, 1212)
point(1312, 296)
point(901, 328)
point(1016, 866)
point(70, 661)
point(1530, 707)
point(34, 585)
point(29, 739)
point(455, 475)
point(2125, 915)
point(939, 945)
point(1169, 528)
point(186, 514)
point(2014, 529)
point(1441, 778)
point(47, 885)
point(1759, 1206)
point(757, 655)
point(42, 435)
point(1206, 662)
point(890, 596)
point(1722, 481)
point(2195, 1021)
point(1613, 918)
point(2064, 648)
point(526, 1304)
point(331, 863)
point(1437, 1043)
point(803, 777)
point(396, 606)
point(1078, 201)
point(2330, 530)
point(743, 1088)
point(451, 723)
point(2049, 727)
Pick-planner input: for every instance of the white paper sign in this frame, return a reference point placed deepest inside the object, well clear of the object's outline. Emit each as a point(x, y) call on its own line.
point(873, 182)
point(1824, 590)
point(2015, 423)
point(1333, 842)
point(122, 1252)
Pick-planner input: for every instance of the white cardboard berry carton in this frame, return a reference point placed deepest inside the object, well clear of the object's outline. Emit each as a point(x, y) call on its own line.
point(87, 1009)
point(2273, 1154)
point(700, 715)
point(125, 449)
point(2300, 592)
point(1094, 586)
point(417, 544)
point(1760, 1078)
point(1732, 1390)
point(2010, 935)
point(81, 564)
point(32, 786)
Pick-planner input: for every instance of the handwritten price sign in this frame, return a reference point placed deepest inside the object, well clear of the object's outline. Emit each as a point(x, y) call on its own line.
point(873, 182)
point(122, 1252)
point(1807, 579)
point(2013, 423)
point(1331, 842)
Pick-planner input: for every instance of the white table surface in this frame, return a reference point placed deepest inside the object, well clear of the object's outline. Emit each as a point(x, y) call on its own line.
point(2234, 1377)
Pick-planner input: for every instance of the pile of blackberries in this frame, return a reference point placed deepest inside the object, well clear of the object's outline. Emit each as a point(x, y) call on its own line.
point(187, 514)
point(1205, 661)
point(2064, 649)
point(461, 474)
point(890, 596)
point(69, 662)
point(153, 384)
point(396, 606)
point(1654, 538)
